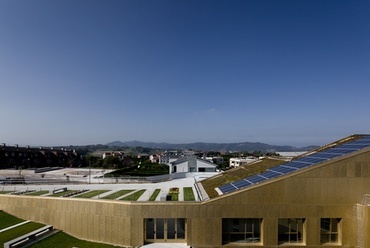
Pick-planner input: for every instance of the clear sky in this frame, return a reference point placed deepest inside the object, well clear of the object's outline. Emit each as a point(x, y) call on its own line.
point(279, 72)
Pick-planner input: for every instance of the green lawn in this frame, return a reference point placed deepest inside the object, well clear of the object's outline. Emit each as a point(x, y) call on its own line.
point(19, 231)
point(174, 196)
point(37, 193)
point(188, 194)
point(91, 194)
point(7, 220)
point(58, 240)
point(117, 194)
point(63, 240)
point(154, 195)
point(134, 196)
point(5, 192)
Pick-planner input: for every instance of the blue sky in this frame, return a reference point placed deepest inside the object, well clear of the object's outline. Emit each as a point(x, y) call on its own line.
point(278, 72)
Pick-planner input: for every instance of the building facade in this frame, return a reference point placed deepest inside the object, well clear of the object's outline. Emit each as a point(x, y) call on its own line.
point(29, 157)
point(192, 164)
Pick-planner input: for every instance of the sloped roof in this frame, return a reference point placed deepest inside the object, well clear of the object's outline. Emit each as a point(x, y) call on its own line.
point(185, 159)
point(333, 151)
point(267, 169)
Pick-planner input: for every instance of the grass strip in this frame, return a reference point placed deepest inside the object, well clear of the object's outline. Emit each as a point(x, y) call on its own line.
point(154, 195)
point(91, 194)
point(188, 194)
point(174, 196)
point(133, 197)
point(19, 231)
point(5, 192)
point(63, 240)
point(117, 194)
point(38, 193)
point(7, 220)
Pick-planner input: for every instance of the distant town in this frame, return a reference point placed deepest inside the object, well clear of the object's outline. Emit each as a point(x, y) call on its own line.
point(140, 158)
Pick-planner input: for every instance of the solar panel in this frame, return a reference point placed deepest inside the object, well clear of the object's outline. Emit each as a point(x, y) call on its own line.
point(255, 179)
point(355, 143)
point(241, 183)
point(331, 150)
point(366, 139)
point(303, 162)
point(344, 150)
point(269, 174)
point(299, 163)
point(296, 164)
point(311, 159)
point(283, 169)
point(227, 188)
point(353, 146)
point(360, 141)
point(326, 155)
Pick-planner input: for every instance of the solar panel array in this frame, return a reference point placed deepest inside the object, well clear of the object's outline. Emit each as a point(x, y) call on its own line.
point(303, 162)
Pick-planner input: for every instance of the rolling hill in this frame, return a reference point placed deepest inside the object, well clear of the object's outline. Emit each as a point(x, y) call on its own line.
point(200, 146)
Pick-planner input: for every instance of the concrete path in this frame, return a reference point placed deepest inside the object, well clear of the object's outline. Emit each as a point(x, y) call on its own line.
point(166, 245)
point(149, 187)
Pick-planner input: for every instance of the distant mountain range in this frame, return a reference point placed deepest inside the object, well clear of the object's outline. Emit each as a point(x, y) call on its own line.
point(199, 146)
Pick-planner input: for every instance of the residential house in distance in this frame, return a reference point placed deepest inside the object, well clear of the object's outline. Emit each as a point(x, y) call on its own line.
point(143, 156)
point(164, 158)
point(124, 158)
point(168, 157)
point(236, 162)
point(215, 160)
point(30, 157)
point(154, 158)
point(113, 154)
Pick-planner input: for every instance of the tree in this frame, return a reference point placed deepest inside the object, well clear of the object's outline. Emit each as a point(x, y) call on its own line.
point(92, 161)
point(112, 162)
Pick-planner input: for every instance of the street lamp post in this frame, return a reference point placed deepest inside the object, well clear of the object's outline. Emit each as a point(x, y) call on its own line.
point(90, 170)
point(103, 175)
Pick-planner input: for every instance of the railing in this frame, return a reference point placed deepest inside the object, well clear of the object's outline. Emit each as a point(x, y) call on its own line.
point(56, 191)
point(72, 180)
point(29, 237)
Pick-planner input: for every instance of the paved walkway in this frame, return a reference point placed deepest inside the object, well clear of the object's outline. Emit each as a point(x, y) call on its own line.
point(166, 245)
point(149, 187)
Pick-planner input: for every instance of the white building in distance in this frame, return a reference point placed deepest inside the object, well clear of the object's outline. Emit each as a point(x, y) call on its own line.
point(236, 162)
point(192, 164)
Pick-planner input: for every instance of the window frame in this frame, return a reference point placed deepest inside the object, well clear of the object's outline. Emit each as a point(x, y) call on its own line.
point(251, 230)
point(295, 231)
point(330, 231)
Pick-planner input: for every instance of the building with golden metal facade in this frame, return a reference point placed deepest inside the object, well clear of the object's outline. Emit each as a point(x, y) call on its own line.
point(316, 200)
